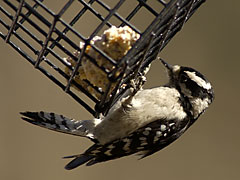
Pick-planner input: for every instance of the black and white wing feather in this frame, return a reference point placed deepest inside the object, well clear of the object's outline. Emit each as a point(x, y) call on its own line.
point(146, 141)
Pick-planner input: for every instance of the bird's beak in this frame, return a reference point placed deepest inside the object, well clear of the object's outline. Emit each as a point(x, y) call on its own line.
point(168, 66)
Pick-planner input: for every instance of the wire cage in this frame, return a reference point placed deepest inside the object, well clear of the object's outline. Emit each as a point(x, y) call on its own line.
point(45, 36)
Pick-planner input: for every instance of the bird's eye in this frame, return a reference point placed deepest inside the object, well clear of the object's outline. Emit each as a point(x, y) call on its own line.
point(183, 78)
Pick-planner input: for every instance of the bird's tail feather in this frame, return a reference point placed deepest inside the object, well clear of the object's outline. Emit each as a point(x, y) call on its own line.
point(60, 123)
point(79, 160)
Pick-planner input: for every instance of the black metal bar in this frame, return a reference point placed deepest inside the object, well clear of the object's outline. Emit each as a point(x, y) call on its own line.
point(167, 23)
point(14, 21)
point(131, 15)
point(162, 2)
point(111, 13)
point(98, 15)
point(51, 77)
point(124, 22)
point(48, 24)
point(56, 17)
point(28, 14)
point(53, 66)
point(134, 75)
point(42, 32)
point(99, 27)
point(150, 9)
point(68, 27)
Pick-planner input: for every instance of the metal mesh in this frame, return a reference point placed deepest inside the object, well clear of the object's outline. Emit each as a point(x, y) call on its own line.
point(46, 35)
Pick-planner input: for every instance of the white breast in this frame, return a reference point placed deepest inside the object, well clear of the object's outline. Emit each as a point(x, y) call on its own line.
point(146, 106)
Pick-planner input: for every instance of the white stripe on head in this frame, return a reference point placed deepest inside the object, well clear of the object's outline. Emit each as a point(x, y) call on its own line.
point(201, 82)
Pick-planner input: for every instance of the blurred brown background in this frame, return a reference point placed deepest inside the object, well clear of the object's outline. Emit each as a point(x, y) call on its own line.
point(210, 150)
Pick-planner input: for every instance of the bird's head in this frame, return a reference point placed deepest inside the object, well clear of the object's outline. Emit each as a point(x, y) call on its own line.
point(191, 84)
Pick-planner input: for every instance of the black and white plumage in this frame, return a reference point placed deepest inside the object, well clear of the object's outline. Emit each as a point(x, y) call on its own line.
point(143, 121)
